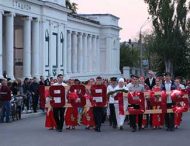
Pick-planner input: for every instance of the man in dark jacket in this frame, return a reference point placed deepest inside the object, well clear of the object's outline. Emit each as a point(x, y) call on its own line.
point(5, 94)
point(150, 81)
point(168, 85)
point(26, 93)
point(34, 89)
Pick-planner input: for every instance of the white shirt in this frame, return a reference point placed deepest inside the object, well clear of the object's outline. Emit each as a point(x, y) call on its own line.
point(150, 80)
point(57, 84)
point(137, 88)
point(168, 89)
point(111, 88)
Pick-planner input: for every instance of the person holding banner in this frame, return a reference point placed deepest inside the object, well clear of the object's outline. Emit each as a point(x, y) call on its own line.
point(181, 87)
point(146, 117)
point(157, 119)
point(168, 85)
point(98, 92)
point(111, 108)
point(59, 111)
point(50, 121)
point(87, 116)
point(135, 87)
point(71, 114)
point(120, 103)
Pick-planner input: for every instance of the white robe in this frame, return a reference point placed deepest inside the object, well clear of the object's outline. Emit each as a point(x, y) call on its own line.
point(120, 118)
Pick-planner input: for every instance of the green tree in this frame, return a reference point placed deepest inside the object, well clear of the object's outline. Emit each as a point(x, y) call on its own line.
point(171, 33)
point(72, 6)
point(129, 55)
point(155, 60)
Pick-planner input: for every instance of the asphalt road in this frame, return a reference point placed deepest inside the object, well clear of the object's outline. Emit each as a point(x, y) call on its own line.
point(31, 132)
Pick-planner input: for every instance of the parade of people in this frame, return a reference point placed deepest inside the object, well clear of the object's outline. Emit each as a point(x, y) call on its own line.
point(94, 72)
point(119, 98)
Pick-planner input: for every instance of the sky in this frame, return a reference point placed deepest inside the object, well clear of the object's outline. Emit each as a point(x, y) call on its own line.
point(133, 14)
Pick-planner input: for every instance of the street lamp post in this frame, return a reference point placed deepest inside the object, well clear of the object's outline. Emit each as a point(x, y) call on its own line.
point(141, 46)
point(141, 54)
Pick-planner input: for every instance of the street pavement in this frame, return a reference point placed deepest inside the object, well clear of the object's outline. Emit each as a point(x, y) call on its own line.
point(30, 131)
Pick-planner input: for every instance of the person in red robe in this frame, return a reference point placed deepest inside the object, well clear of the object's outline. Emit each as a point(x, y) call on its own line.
point(145, 117)
point(178, 116)
point(49, 121)
point(71, 115)
point(157, 119)
point(87, 116)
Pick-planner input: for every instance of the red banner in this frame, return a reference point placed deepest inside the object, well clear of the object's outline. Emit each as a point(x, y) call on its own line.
point(79, 90)
point(159, 99)
point(58, 94)
point(99, 94)
point(181, 102)
point(136, 98)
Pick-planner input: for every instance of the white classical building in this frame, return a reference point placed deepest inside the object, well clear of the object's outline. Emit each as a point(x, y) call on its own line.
point(42, 37)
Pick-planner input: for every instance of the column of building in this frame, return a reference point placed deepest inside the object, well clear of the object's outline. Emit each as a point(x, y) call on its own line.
point(35, 47)
point(9, 41)
point(1, 43)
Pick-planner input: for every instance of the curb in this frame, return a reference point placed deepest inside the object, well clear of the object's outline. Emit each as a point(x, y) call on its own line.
point(32, 115)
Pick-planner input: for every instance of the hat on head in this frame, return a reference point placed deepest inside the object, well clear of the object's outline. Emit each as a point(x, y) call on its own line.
point(132, 76)
point(59, 75)
point(113, 79)
point(99, 78)
point(121, 80)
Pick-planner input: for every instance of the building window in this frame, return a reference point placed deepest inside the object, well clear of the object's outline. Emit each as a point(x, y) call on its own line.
point(62, 48)
point(54, 46)
point(46, 48)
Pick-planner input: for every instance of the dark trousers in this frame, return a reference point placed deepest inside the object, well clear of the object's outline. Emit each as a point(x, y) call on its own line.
point(19, 110)
point(6, 111)
point(98, 116)
point(26, 102)
point(112, 116)
point(169, 118)
point(35, 102)
point(132, 119)
point(59, 117)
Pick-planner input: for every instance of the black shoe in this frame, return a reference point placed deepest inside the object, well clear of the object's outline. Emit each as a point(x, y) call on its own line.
point(121, 128)
point(87, 128)
point(97, 129)
point(139, 128)
point(60, 130)
point(114, 126)
point(134, 130)
point(171, 129)
point(167, 129)
point(68, 128)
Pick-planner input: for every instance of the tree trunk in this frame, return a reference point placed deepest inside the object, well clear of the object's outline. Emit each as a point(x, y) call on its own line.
point(169, 66)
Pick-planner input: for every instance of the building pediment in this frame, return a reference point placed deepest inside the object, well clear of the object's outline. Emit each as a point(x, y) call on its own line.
point(59, 2)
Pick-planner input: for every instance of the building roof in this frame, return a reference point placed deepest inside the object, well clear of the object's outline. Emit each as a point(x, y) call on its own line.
point(100, 15)
point(76, 16)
